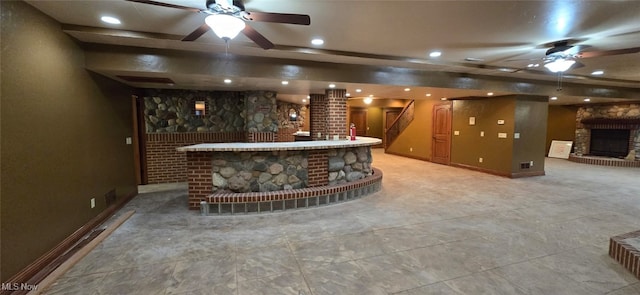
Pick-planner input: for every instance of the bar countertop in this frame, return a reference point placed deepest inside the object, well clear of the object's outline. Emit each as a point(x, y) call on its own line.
point(280, 146)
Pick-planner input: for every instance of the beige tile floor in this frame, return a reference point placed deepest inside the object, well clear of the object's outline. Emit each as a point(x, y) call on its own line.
point(433, 229)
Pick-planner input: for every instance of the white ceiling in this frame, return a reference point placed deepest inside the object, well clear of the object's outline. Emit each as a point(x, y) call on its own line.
point(397, 34)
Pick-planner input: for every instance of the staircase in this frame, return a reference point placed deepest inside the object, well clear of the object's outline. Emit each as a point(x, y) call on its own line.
point(401, 123)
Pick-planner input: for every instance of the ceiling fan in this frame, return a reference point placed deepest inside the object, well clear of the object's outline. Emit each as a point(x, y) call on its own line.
point(227, 18)
point(563, 55)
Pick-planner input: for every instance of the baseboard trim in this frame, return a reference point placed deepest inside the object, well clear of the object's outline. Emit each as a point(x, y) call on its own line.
point(527, 174)
point(499, 173)
point(32, 273)
point(408, 156)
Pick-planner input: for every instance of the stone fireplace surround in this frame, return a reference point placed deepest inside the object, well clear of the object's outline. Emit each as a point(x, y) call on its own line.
point(620, 117)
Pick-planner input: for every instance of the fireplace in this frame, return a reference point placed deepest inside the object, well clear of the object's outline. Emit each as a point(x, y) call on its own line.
point(608, 135)
point(609, 142)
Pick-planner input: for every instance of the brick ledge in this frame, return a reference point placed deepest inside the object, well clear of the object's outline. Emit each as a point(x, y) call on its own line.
point(258, 202)
point(603, 161)
point(626, 254)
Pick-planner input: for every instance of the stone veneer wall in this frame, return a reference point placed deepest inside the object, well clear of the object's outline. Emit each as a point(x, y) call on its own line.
point(171, 122)
point(286, 127)
point(618, 111)
point(261, 111)
point(351, 164)
point(242, 172)
point(173, 111)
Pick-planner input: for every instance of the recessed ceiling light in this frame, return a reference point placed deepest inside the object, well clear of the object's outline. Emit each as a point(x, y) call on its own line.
point(597, 73)
point(443, 98)
point(317, 41)
point(332, 85)
point(554, 98)
point(227, 81)
point(285, 82)
point(489, 93)
point(358, 90)
point(428, 94)
point(587, 99)
point(304, 100)
point(110, 20)
point(347, 94)
point(308, 96)
point(435, 53)
point(407, 89)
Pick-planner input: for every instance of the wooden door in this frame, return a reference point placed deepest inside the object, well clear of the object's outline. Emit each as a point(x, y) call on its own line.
point(359, 117)
point(441, 143)
point(390, 116)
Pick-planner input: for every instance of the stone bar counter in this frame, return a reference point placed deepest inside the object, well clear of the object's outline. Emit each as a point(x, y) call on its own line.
point(232, 178)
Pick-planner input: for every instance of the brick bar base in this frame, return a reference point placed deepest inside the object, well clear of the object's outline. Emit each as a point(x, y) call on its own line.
point(165, 164)
point(625, 249)
point(603, 161)
point(259, 202)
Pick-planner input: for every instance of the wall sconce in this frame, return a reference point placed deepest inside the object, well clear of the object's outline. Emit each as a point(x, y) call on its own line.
point(200, 108)
point(293, 115)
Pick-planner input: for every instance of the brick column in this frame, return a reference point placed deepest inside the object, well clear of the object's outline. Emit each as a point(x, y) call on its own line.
point(336, 112)
point(199, 177)
point(318, 168)
point(317, 116)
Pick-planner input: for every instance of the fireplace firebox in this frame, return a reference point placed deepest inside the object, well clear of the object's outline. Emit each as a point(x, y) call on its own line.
point(609, 142)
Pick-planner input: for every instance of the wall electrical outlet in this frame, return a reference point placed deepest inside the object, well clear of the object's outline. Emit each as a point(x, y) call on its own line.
point(480, 160)
point(411, 149)
point(93, 202)
point(481, 133)
point(127, 140)
point(531, 163)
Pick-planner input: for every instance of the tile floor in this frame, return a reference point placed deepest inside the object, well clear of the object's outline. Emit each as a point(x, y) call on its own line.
point(433, 229)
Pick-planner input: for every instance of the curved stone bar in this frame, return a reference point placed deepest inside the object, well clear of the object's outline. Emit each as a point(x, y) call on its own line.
point(242, 175)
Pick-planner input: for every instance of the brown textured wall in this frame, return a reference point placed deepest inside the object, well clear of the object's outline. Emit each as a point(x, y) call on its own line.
point(63, 137)
point(531, 123)
point(469, 146)
point(561, 124)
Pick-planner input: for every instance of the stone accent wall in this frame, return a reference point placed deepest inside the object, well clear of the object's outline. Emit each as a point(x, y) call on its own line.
point(336, 112)
point(261, 111)
point(318, 119)
point(242, 172)
point(174, 111)
point(347, 165)
point(618, 111)
point(286, 127)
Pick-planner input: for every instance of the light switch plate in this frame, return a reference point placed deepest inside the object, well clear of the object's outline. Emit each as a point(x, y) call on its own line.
point(502, 135)
point(500, 122)
point(516, 135)
point(456, 132)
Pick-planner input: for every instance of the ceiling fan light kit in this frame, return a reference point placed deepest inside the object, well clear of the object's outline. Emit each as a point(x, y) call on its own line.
point(227, 18)
point(225, 26)
point(559, 65)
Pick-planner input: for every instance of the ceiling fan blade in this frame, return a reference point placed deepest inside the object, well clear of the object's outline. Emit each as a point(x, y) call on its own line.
point(192, 9)
point(257, 38)
point(589, 54)
point(197, 33)
point(558, 48)
point(284, 18)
